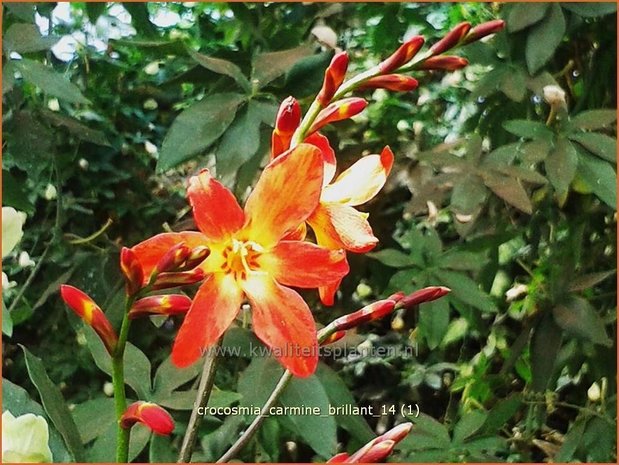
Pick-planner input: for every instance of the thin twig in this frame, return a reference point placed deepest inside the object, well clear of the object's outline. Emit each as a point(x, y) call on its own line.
point(33, 274)
point(204, 392)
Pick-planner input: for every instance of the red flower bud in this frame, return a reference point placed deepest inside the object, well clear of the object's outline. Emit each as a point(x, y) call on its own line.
point(427, 294)
point(444, 63)
point(342, 457)
point(132, 269)
point(197, 256)
point(334, 76)
point(337, 111)
point(179, 278)
point(172, 259)
point(91, 314)
point(371, 312)
point(395, 82)
point(160, 305)
point(336, 336)
point(452, 39)
point(149, 414)
point(286, 122)
point(484, 29)
point(376, 453)
point(398, 433)
point(402, 55)
point(397, 296)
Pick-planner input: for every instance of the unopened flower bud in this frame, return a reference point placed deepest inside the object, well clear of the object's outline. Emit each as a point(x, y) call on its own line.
point(453, 38)
point(336, 336)
point(132, 269)
point(402, 55)
point(172, 259)
point(160, 305)
point(50, 192)
point(286, 122)
point(377, 453)
point(179, 278)
point(91, 314)
point(443, 63)
point(554, 96)
point(198, 255)
point(427, 294)
point(151, 415)
point(334, 76)
point(394, 82)
point(108, 389)
point(373, 311)
point(397, 296)
point(398, 433)
point(484, 29)
point(337, 111)
point(25, 260)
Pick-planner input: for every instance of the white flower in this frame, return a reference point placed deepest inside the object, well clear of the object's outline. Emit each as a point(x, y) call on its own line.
point(150, 104)
point(150, 148)
point(516, 291)
point(25, 439)
point(53, 104)
point(83, 163)
point(24, 260)
point(108, 389)
point(152, 68)
point(554, 95)
point(50, 192)
point(12, 232)
point(6, 284)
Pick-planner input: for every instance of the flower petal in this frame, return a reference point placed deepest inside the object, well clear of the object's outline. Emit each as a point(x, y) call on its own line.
point(327, 293)
point(214, 307)
point(328, 155)
point(149, 414)
point(339, 226)
point(303, 264)
point(150, 251)
point(283, 321)
point(285, 195)
point(362, 181)
point(215, 209)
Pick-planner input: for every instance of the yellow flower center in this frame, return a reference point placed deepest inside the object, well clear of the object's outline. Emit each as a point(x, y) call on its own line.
point(241, 258)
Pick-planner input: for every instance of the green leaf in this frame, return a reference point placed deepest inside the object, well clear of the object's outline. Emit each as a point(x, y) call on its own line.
point(461, 260)
point(221, 66)
point(305, 77)
point(528, 129)
point(590, 10)
point(54, 405)
point(271, 65)
point(104, 447)
point(571, 440)
point(589, 280)
point(594, 119)
point(49, 81)
point(169, 377)
point(16, 400)
point(340, 395)
point(392, 257)
point(536, 150)
point(578, 317)
point(467, 290)
point(140, 18)
point(258, 380)
point(197, 127)
point(14, 193)
point(544, 39)
point(510, 190)
point(94, 10)
point(545, 345)
point(76, 128)
point(600, 176)
point(26, 38)
point(161, 450)
point(240, 142)
point(468, 425)
point(434, 321)
point(561, 165)
point(318, 431)
point(503, 411)
point(426, 434)
point(7, 322)
point(468, 194)
point(137, 365)
point(94, 417)
point(599, 144)
point(523, 15)
point(513, 84)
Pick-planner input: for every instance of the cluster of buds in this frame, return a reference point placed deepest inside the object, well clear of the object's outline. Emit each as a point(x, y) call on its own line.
point(382, 308)
point(151, 415)
point(376, 450)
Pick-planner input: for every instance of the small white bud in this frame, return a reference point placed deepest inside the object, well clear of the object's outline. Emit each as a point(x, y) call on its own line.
point(152, 68)
point(24, 260)
point(554, 96)
point(108, 389)
point(50, 192)
point(150, 104)
point(363, 290)
point(150, 148)
point(53, 104)
point(594, 392)
point(83, 164)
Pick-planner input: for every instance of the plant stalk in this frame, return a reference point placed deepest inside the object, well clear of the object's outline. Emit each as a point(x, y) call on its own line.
point(204, 392)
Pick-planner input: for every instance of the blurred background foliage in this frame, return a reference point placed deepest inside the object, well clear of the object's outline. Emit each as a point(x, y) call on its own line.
point(502, 192)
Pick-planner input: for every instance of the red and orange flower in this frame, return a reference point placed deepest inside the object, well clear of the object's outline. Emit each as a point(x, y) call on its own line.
point(252, 258)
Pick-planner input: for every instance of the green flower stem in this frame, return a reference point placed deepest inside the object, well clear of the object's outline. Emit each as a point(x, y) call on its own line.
point(118, 379)
point(283, 382)
point(204, 392)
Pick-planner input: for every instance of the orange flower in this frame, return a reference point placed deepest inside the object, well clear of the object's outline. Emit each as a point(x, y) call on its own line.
point(250, 258)
point(151, 415)
point(336, 223)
